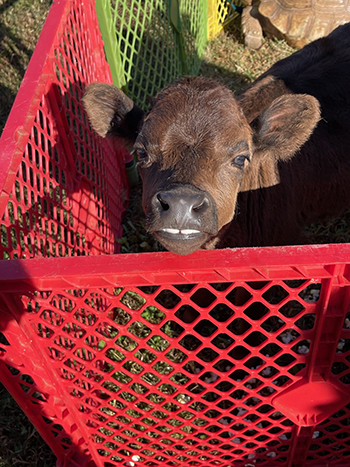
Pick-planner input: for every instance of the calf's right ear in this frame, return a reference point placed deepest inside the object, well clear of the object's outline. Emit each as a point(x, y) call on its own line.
point(112, 113)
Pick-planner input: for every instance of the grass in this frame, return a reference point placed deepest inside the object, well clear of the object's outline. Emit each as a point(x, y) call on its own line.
point(20, 24)
point(20, 443)
point(227, 60)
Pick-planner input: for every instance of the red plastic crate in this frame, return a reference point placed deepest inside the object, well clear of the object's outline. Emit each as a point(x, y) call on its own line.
point(223, 358)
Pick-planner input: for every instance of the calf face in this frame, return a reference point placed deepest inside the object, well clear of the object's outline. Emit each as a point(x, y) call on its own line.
point(196, 150)
point(193, 148)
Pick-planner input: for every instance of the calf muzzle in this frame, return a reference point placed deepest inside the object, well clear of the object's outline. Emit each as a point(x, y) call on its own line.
point(185, 218)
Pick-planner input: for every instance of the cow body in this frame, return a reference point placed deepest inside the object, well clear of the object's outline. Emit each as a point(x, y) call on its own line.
point(315, 182)
point(250, 170)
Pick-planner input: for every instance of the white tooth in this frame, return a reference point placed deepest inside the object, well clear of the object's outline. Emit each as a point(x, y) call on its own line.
point(189, 231)
point(183, 231)
point(172, 231)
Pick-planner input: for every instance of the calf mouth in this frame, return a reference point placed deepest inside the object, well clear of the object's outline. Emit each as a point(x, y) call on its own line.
point(181, 241)
point(181, 217)
point(180, 234)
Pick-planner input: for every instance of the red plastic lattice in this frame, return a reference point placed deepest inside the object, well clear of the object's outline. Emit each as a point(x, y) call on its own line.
point(157, 360)
point(62, 188)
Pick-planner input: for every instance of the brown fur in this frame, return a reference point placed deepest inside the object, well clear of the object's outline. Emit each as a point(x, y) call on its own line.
point(112, 113)
point(191, 125)
point(267, 89)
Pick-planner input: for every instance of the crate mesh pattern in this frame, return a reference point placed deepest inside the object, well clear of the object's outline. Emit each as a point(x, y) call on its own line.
point(189, 366)
point(223, 358)
point(68, 192)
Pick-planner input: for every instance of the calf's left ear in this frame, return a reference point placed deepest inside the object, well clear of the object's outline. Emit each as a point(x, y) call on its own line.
point(288, 122)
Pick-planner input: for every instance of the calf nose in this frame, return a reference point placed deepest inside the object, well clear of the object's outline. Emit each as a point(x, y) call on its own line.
point(181, 205)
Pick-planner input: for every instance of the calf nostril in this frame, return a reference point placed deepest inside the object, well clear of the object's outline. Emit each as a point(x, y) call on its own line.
point(201, 205)
point(181, 203)
point(164, 205)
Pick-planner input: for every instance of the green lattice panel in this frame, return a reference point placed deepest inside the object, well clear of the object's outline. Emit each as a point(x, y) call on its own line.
point(150, 44)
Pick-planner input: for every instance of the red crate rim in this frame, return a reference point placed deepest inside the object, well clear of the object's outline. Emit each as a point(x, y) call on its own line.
point(50, 272)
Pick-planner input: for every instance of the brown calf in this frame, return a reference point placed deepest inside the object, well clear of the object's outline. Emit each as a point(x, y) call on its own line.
point(251, 170)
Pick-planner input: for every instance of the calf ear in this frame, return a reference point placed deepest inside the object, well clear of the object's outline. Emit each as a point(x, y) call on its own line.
point(111, 112)
point(256, 97)
point(286, 125)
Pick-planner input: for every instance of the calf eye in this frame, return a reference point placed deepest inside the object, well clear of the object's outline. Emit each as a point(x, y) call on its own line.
point(239, 161)
point(141, 155)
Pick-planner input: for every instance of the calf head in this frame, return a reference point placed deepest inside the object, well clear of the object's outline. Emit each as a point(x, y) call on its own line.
point(196, 150)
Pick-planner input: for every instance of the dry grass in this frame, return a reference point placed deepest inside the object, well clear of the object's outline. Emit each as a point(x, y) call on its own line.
point(20, 24)
point(228, 61)
point(20, 443)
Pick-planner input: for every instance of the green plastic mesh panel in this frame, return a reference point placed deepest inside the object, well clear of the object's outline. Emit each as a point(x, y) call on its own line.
point(149, 44)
